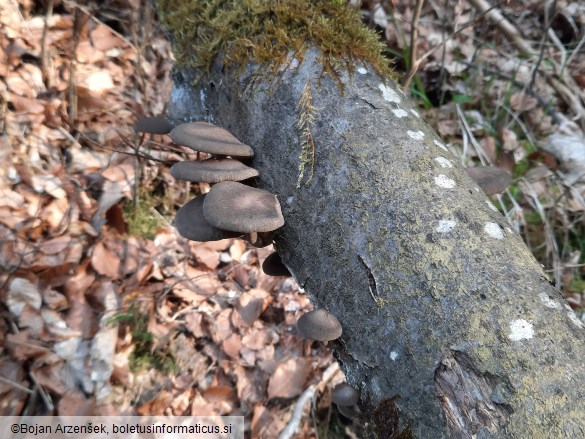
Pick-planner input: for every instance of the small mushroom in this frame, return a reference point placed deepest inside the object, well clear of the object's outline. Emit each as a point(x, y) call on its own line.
point(233, 206)
point(273, 266)
point(191, 223)
point(345, 395)
point(204, 137)
point(153, 125)
point(320, 325)
point(349, 412)
point(212, 171)
point(491, 179)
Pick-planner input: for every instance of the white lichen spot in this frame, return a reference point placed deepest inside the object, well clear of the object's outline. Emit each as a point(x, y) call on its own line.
point(415, 113)
point(399, 113)
point(444, 182)
point(491, 205)
point(520, 329)
point(573, 317)
point(476, 189)
point(393, 355)
point(494, 230)
point(416, 135)
point(362, 70)
point(294, 63)
point(289, 200)
point(445, 163)
point(548, 302)
point(445, 226)
point(440, 145)
point(509, 230)
point(389, 94)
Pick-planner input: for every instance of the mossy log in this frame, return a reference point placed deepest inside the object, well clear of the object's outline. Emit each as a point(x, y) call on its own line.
point(450, 327)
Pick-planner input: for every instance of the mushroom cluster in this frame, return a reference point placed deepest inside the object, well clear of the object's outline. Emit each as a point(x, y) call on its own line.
point(230, 209)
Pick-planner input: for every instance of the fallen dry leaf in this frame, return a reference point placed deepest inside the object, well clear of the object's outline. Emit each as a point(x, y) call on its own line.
point(105, 261)
point(289, 378)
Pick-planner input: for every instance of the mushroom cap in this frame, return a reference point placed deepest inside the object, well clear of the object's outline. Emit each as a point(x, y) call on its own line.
point(191, 223)
point(319, 324)
point(344, 394)
point(273, 266)
point(349, 412)
point(212, 171)
point(153, 125)
point(233, 206)
point(204, 137)
point(491, 179)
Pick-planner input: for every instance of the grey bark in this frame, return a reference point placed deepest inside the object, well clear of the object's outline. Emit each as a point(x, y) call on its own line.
point(450, 327)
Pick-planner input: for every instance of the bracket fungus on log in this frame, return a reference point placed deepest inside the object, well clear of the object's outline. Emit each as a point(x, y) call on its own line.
point(191, 223)
point(491, 179)
point(205, 137)
point(273, 266)
point(212, 171)
point(153, 125)
point(319, 325)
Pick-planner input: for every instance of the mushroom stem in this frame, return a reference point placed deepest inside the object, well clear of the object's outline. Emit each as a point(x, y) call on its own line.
point(253, 237)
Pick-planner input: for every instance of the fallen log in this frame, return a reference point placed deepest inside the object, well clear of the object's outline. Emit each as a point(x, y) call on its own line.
point(450, 326)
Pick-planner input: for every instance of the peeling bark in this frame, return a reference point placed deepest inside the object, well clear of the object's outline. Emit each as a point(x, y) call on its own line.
point(450, 328)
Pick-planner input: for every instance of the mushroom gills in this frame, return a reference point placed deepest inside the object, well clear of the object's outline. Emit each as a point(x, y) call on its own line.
point(349, 412)
point(273, 266)
point(191, 223)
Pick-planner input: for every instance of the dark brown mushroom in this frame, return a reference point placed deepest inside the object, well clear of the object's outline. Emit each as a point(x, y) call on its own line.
point(153, 125)
point(273, 266)
point(320, 325)
point(233, 206)
point(345, 395)
point(349, 412)
point(204, 137)
point(191, 223)
point(491, 179)
point(212, 171)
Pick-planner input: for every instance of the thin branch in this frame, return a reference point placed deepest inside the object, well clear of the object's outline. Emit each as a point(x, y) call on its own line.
point(510, 31)
point(414, 63)
point(292, 428)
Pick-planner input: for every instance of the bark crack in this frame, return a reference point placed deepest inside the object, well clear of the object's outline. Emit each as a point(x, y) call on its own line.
point(371, 280)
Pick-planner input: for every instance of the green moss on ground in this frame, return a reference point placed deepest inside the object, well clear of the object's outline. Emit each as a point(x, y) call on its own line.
point(268, 31)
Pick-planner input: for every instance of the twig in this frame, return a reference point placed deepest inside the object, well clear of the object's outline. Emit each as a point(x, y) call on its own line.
point(471, 23)
point(16, 385)
point(414, 63)
point(79, 22)
point(98, 21)
point(547, 24)
point(46, 399)
point(495, 16)
point(48, 15)
point(292, 427)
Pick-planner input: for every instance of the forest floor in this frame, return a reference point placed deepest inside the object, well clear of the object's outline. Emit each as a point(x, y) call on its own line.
point(105, 309)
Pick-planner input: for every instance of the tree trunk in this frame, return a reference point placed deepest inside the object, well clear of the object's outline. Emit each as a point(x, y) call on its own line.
point(450, 327)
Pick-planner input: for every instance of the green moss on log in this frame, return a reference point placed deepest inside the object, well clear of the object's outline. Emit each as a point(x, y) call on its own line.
point(269, 32)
